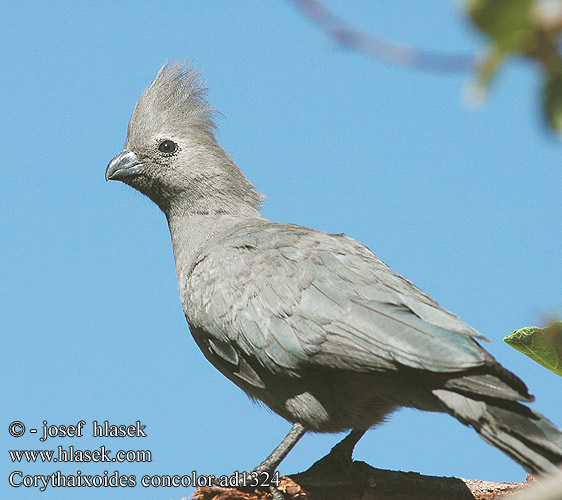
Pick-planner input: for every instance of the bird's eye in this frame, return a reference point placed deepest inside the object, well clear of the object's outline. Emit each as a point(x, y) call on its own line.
point(168, 147)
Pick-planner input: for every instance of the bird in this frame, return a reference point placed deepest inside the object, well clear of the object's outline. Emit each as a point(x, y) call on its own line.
point(311, 324)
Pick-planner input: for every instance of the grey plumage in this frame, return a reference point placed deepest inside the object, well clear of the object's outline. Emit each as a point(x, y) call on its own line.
point(314, 325)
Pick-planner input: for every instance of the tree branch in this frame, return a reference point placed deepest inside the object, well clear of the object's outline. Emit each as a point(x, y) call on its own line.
point(327, 481)
point(350, 37)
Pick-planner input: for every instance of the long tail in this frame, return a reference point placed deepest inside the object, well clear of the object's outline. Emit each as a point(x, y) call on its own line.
point(526, 436)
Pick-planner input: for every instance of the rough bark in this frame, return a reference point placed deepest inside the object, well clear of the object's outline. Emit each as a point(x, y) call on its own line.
point(363, 482)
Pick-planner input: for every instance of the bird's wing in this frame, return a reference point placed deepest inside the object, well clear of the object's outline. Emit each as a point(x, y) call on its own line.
point(290, 297)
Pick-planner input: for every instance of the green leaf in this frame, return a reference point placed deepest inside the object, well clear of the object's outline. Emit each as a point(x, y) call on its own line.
point(543, 345)
point(552, 96)
point(507, 22)
point(488, 67)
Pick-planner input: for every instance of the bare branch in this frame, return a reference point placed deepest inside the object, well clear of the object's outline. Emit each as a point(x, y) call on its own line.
point(350, 37)
point(548, 487)
point(363, 482)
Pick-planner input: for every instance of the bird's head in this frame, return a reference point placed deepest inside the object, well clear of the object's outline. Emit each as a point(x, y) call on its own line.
point(171, 154)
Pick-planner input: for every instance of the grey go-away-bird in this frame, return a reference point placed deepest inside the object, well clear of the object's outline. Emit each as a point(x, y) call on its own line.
point(312, 324)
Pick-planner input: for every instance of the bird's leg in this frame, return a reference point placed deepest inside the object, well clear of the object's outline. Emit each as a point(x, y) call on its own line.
point(344, 448)
point(340, 455)
point(272, 461)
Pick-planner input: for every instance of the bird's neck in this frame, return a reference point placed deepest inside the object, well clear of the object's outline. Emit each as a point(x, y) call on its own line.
point(191, 231)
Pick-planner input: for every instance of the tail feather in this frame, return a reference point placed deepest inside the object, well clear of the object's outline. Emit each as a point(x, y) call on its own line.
point(526, 436)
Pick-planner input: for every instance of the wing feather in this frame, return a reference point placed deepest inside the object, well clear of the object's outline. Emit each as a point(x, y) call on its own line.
point(288, 298)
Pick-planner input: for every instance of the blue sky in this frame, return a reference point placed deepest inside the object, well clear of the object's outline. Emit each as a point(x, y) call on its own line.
point(464, 203)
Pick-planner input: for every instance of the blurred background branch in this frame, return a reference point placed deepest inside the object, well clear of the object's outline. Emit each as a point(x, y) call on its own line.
point(349, 36)
point(523, 28)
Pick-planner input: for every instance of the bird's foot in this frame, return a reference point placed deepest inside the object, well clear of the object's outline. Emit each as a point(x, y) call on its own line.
point(254, 481)
point(338, 463)
point(266, 477)
point(334, 463)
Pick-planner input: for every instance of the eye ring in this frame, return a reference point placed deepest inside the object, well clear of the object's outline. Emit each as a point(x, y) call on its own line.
point(168, 147)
